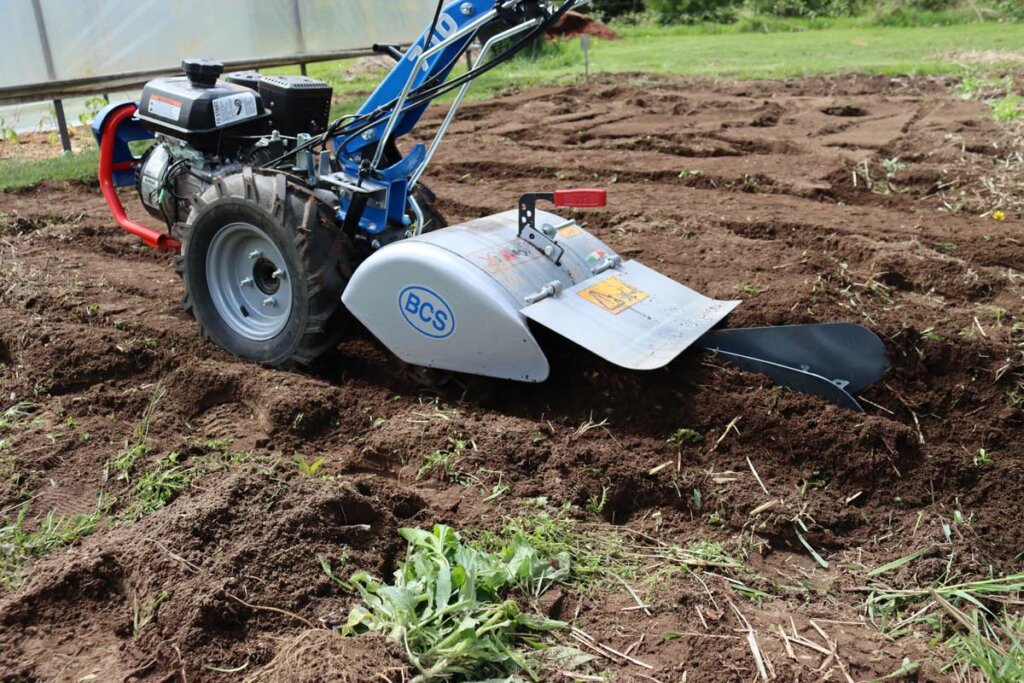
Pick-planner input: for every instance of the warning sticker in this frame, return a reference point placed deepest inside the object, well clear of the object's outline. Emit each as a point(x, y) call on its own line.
point(502, 257)
point(164, 107)
point(570, 231)
point(233, 108)
point(613, 295)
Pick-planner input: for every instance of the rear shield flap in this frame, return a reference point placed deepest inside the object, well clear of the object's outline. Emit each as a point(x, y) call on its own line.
point(631, 316)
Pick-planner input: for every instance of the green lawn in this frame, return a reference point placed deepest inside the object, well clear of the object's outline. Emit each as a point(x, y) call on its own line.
point(715, 51)
point(16, 174)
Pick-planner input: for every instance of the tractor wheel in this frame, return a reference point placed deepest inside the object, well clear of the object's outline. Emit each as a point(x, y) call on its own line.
point(264, 268)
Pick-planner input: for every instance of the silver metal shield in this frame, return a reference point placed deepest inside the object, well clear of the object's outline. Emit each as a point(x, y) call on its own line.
point(459, 299)
point(632, 316)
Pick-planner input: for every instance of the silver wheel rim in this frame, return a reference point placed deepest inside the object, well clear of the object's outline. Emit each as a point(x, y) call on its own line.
point(249, 281)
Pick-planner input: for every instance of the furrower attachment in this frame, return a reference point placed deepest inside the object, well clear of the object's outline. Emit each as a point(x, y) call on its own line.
point(462, 299)
point(832, 360)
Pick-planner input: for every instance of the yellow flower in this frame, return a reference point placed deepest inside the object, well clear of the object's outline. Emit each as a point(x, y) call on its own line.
point(999, 215)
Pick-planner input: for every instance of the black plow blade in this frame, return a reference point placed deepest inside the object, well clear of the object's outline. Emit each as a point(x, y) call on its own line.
point(833, 360)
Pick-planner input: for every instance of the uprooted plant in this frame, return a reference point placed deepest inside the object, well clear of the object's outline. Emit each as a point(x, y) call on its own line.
point(452, 607)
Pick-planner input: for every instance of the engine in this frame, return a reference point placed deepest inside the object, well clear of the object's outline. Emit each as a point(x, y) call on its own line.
point(207, 127)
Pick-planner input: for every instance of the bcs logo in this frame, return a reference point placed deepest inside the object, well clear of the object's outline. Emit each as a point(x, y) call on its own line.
point(426, 312)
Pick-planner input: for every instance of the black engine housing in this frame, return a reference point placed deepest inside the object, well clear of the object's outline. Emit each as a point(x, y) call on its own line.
point(221, 117)
point(198, 109)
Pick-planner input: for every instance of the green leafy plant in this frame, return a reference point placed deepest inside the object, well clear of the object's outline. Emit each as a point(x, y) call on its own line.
point(597, 505)
point(7, 133)
point(308, 469)
point(686, 436)
point(450, 606)
point(750, 290)
point(1008, 108)
point(93, 106)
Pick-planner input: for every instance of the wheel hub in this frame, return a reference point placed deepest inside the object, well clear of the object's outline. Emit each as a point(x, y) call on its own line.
point(248, 281)
point(264, 275)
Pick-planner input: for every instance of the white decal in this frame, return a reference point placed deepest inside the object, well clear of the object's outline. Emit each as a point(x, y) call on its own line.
point(237, 107)
point(445, 27)
point(164, 107)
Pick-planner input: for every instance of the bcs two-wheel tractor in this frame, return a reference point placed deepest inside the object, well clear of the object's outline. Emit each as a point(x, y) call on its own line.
point(284, 220)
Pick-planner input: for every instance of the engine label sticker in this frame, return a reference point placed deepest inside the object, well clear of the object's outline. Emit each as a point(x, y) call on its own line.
point(570, 231)
point(426, 312)
point(164, 107)
point(237, 107)
point(613, 295)
point(505, 256)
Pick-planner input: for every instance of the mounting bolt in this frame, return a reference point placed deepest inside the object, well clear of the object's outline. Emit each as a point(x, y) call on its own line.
point(279, 275)
point(466, 8)
point(247, 282)
point(255, 254)
point(375, 244)
point(549, 250)
point(270, 301)
point(369, 134)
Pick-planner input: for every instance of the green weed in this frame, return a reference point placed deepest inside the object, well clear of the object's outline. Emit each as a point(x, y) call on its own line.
point(445, 462)
point(602, 555)
point(16, 415)
point(159, 485)
point(596, 505)
point(18, 545)
point(1008, 108)
point(143, 615)
point(450, 606)
point(750, 290)
point(308, 469)
point(136, 447)
point(686, 436)
point(972, 619)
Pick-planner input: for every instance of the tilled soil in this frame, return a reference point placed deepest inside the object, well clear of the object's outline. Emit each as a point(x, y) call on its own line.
point(774, 192)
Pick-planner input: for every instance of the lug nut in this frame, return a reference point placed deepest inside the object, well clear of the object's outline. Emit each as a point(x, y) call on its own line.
point(255, 254)
point(270, 301)
point(279, 274)
point(247, 282)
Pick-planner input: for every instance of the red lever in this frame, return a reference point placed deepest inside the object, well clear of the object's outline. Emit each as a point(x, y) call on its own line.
point(581, 199)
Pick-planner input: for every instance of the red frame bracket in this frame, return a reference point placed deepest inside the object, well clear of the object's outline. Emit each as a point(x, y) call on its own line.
point(108, 137)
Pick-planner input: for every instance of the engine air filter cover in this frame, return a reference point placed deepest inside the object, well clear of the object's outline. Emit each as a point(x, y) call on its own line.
point(298, 104)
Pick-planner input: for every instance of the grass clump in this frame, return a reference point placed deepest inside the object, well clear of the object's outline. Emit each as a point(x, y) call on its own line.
point(136, 447)
point(452, 606)
point(18, 545)
point(974, 620)
point(159, 485)
point(16, 416)
point(603, 556)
